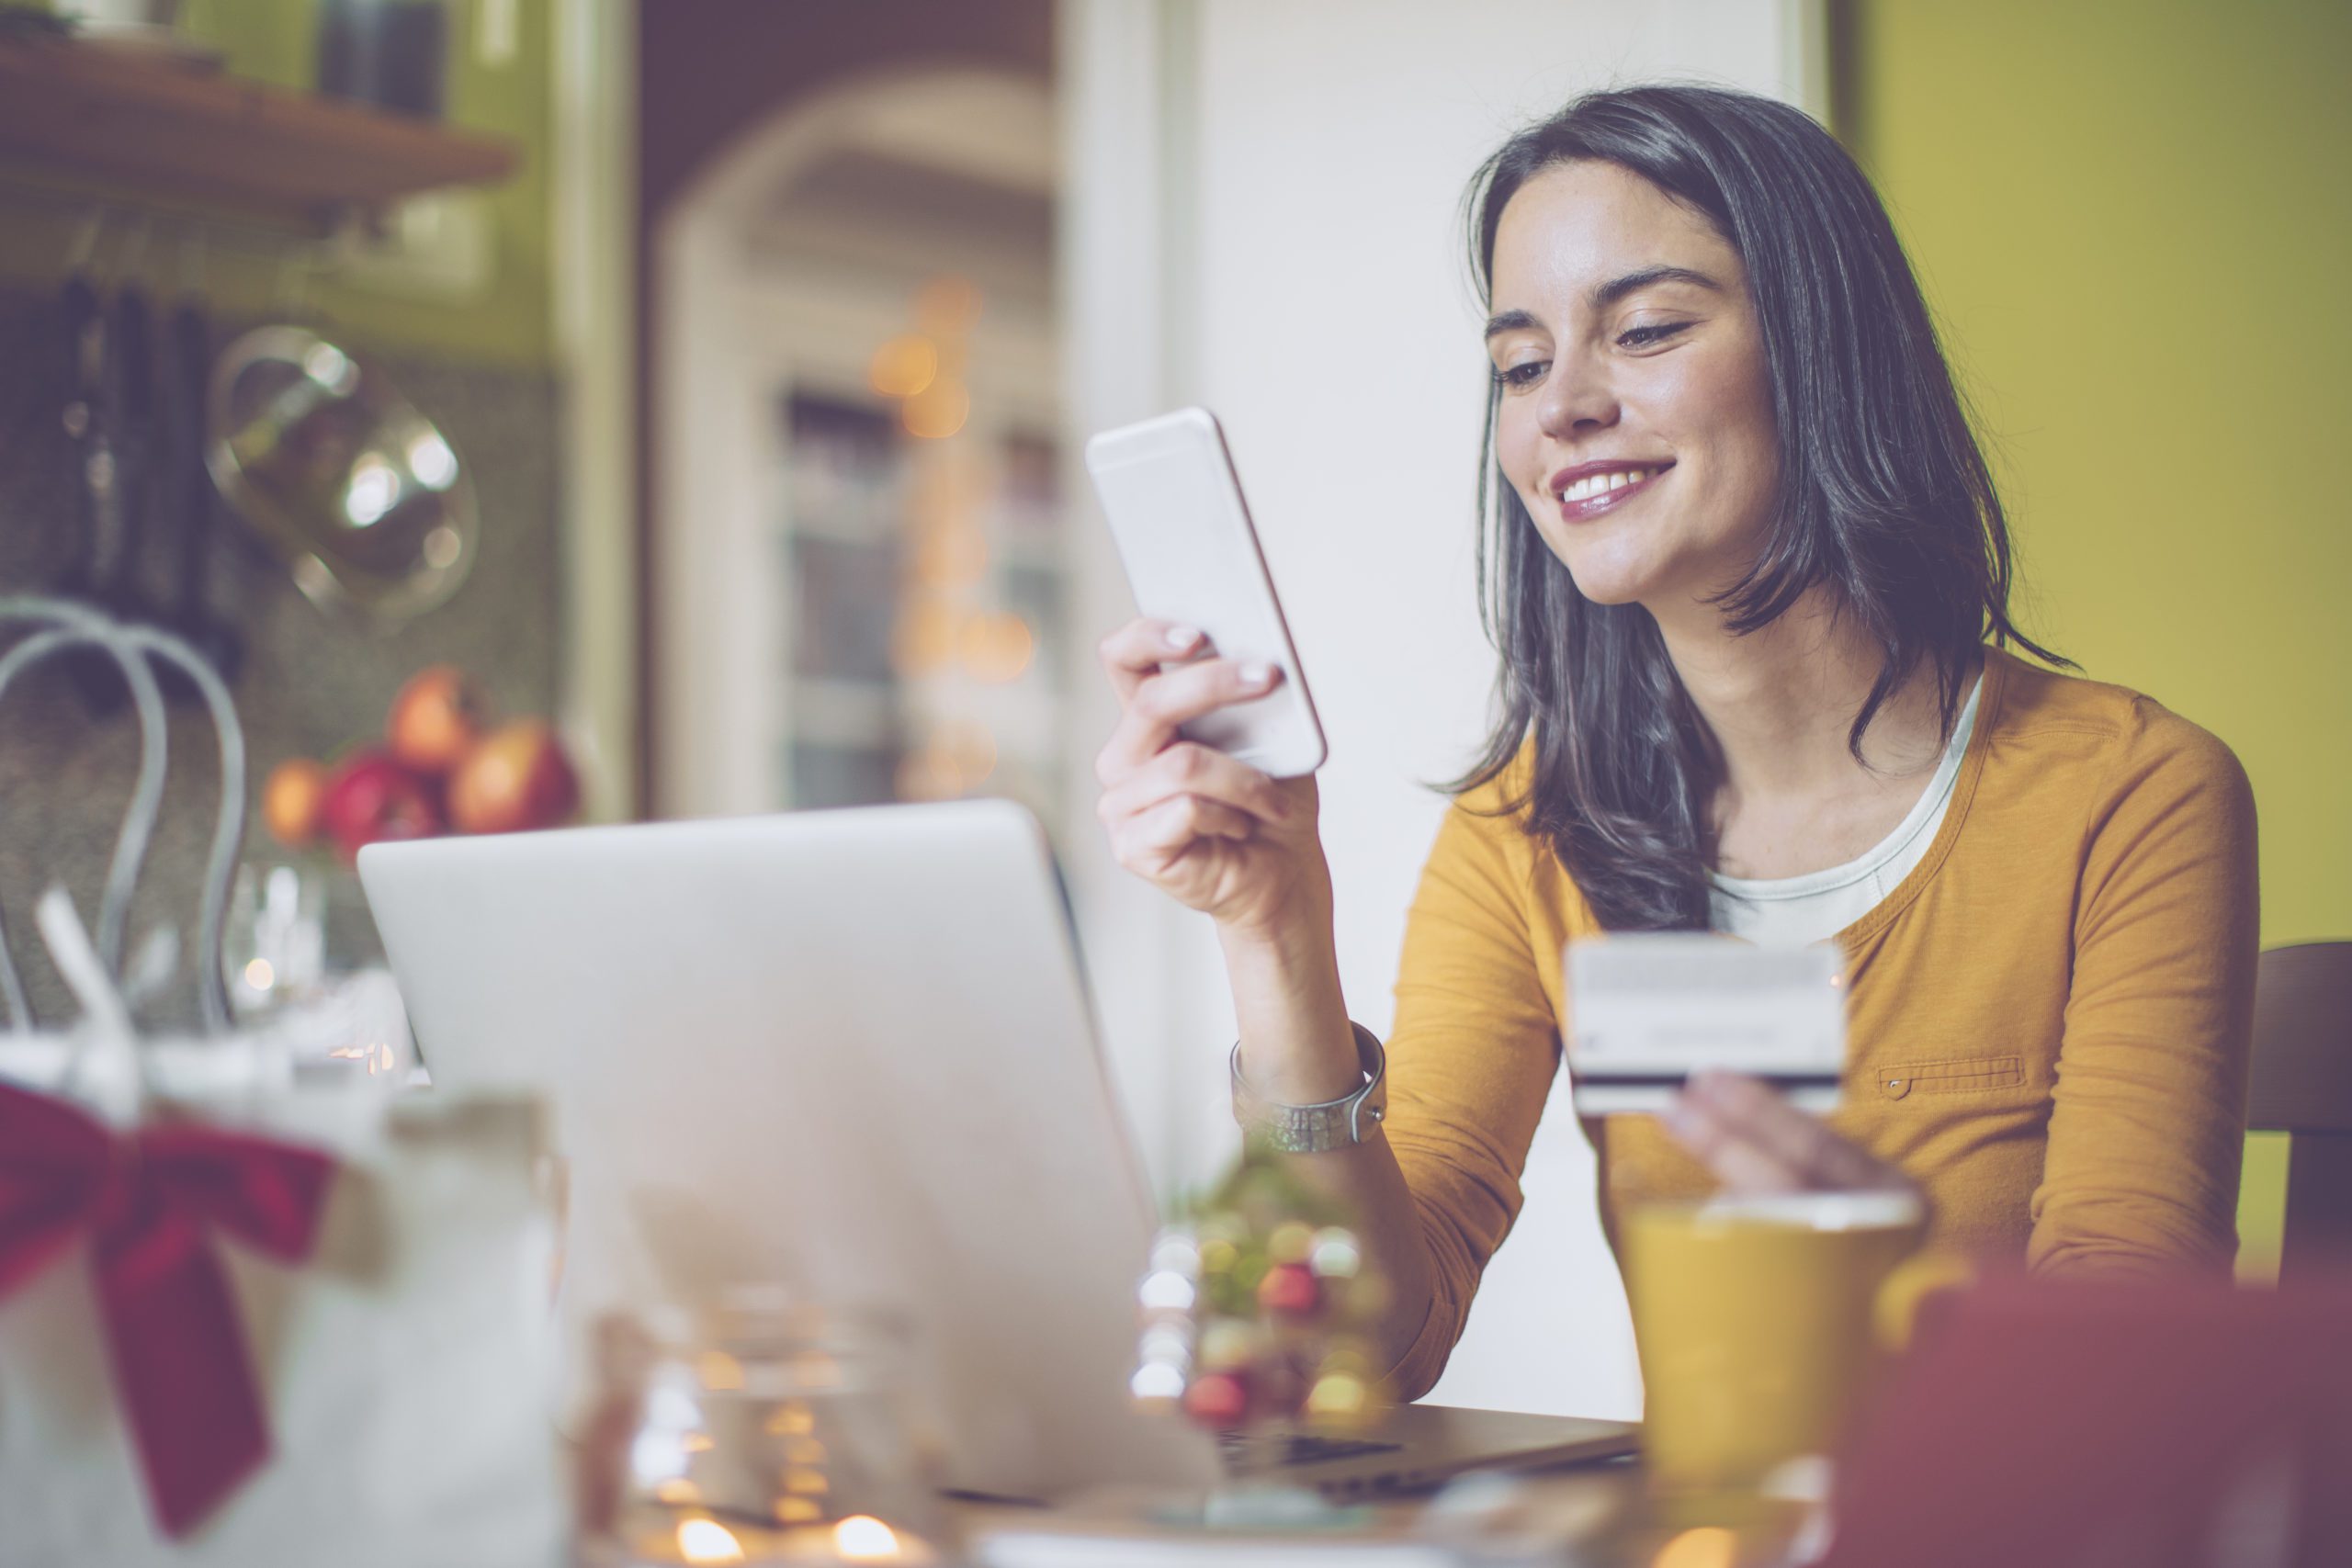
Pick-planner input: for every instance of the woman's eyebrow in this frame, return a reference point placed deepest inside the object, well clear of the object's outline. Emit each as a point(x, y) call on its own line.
point(1510, 321)
point(1605, 295)
point(1616, 288)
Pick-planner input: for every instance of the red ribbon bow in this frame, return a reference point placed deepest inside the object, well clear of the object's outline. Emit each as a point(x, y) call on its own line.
point(150, 1200)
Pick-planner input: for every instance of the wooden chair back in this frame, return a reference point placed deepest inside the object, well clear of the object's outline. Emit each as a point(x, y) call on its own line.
point(2301, 1085)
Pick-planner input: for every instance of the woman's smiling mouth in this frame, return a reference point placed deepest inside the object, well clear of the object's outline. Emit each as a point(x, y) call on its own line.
point(1588, 489)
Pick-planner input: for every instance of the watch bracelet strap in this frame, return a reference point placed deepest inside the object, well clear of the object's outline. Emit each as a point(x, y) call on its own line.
point(1315, 1129)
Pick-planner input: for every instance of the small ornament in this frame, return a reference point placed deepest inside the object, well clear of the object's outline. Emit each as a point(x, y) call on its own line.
point(1220, 1400)
point(1291, 1291)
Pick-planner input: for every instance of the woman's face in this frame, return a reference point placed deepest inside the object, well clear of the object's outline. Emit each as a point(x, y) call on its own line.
point(1636, 416)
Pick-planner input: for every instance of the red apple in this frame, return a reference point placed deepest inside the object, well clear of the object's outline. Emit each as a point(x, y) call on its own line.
point(369, 797)
point(435, 719)
point(292, 800)
point(516, 777)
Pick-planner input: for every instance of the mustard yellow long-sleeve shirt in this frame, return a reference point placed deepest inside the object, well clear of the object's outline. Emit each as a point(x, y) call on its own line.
point(2048, 1019)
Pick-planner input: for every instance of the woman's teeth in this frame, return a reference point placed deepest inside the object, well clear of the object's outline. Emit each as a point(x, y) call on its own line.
point(1592, 485)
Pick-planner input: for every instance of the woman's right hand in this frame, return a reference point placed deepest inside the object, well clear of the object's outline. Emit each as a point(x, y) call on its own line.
point(1223, 837)
point(1214, 833)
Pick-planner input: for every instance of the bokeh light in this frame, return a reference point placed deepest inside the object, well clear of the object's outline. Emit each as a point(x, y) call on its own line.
point(1177, 1253)
point(928, 775)
point(862, 1538)
point(938, 410)
point(430, 459)
point(707, 1540)
point(923, 641)
point(1157, 1380)
point(1167, 1291)
point(904, 365)
point(998, 649)
point(372, 491)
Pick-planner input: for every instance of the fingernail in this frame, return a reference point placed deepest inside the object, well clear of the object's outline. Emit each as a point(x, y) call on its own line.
point(1182, 637)
point(1257, 675)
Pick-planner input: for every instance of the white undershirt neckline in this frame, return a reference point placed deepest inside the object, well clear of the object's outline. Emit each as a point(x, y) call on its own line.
point(1796, 911)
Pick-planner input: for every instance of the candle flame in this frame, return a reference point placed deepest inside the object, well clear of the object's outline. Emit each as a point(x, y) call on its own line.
point(862, 1538)
point(707, 1540)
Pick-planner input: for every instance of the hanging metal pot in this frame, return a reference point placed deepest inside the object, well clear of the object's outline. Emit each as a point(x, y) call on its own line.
point(364, 495)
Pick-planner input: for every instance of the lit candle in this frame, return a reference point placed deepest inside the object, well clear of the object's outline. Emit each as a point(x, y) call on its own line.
point(707, 1540)
point(861, 1540)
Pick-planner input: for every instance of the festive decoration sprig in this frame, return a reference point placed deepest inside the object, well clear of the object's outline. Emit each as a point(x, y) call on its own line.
point(1258, 1309)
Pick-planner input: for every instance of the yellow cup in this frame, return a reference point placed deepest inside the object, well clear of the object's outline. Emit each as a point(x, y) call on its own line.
point(1755, 1322)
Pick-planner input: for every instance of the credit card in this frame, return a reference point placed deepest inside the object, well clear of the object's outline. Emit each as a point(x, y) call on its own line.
point(1646, 1011)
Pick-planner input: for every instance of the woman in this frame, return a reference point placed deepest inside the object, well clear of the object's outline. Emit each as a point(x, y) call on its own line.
point(1749, 582)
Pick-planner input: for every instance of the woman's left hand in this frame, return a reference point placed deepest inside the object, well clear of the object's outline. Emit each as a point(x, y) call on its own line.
point(1755, 1142)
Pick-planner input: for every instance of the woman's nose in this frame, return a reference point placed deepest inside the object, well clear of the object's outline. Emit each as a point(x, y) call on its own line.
point(1575, 398)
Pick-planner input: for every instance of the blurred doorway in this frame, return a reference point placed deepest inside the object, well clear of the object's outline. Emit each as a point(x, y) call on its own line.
point(859, 550)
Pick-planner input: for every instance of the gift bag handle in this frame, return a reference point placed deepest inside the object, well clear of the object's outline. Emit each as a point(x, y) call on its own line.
point(146, 797)
point(69, 625)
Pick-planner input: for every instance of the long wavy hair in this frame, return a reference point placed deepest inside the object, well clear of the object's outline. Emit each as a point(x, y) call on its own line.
point(1884, 495)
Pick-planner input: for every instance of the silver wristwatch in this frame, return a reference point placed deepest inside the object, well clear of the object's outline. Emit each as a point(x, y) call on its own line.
point(1312, 1129)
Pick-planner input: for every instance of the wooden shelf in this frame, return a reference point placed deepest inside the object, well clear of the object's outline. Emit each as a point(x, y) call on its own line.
point(162, 130)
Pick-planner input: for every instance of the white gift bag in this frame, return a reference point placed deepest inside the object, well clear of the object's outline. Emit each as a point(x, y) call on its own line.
point(246, 1319)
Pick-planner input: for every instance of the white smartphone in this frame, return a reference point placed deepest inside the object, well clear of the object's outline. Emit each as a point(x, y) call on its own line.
point(1183, 532)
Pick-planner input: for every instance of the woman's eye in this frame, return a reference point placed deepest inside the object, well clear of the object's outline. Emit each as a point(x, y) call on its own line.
point(1522, 374)
point(1645, 337)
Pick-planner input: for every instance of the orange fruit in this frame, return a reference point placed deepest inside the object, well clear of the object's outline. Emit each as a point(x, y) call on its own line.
point(290, 801)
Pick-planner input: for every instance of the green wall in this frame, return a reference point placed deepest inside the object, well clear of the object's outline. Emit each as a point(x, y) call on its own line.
point(2132, 219)
point(276, 42)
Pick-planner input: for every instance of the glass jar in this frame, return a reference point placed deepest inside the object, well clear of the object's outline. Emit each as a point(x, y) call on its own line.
point(273, 944)
point(772, 1429)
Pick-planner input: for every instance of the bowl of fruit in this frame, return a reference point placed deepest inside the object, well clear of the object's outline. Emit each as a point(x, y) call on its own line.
point(444, 764)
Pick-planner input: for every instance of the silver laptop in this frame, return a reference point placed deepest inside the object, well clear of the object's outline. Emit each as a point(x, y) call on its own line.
point(850, 1052)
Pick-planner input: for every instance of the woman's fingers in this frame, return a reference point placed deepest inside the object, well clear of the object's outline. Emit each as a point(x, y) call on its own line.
point(1190, 768)
point(1164, 703)
point(1148, 843)
point(1134, 653)
point(1802, 1144)
point(1754, 1141)
point(1729, 1154)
